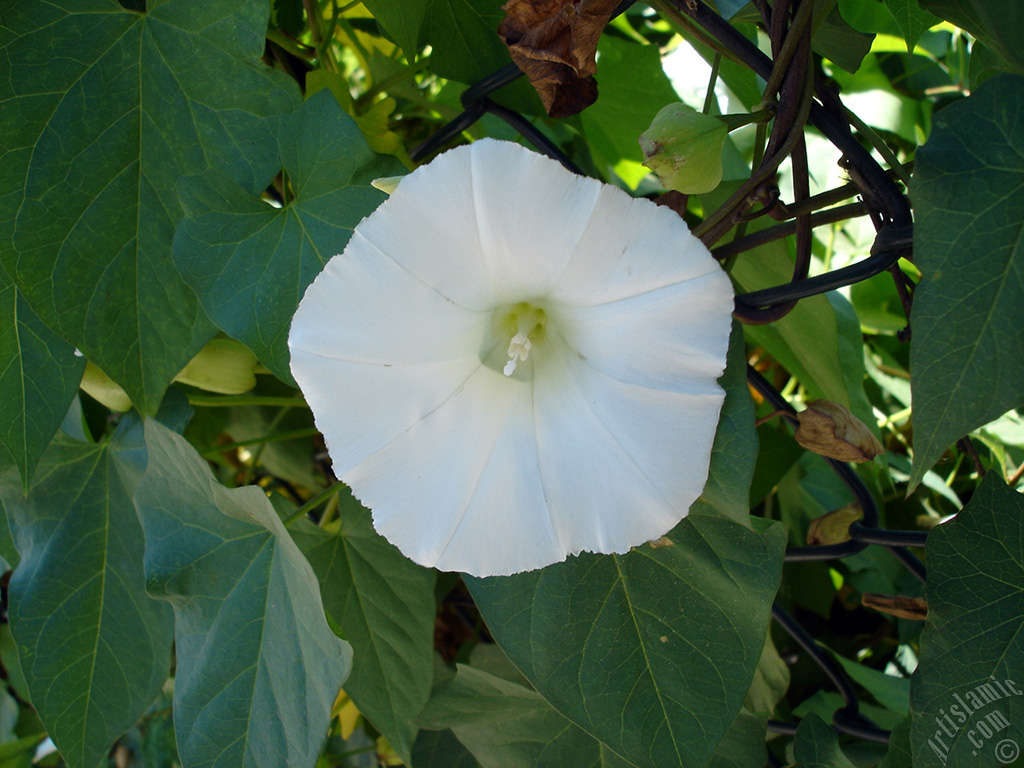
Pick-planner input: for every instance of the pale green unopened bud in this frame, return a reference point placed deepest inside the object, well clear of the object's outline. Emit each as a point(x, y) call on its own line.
point(104, 389)
point(224, 366)
point(386, 184)
point(684, 149)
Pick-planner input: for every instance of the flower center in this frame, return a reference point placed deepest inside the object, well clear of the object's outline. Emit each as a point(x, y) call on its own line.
point(525, 324)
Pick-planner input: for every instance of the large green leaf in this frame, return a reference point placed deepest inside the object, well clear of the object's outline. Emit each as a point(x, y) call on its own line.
point(402, 19)
point(384, 604)
point(967, 361)
point(506, 725)
point(104, 109)
point(94, 648)
point(652, 652)
point(250, 262)
point(257, 666)
point(39, 376)
point(969, 682)
point(997, 23)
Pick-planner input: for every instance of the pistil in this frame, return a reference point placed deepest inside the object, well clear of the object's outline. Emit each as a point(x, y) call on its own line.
point(528, 322)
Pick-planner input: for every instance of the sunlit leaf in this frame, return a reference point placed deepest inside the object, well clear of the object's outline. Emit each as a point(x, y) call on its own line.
point(999, 24)
point(466, 47)
point(632, 87)
point(819, 341)
point(402, 19)
point(911, 20)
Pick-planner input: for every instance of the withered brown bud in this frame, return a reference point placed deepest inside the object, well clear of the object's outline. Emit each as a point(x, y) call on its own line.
point(834, 527)
point(829, 429)
point(897, 605)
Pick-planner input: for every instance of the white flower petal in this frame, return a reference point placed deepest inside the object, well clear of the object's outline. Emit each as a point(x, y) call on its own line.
point(339, 357)
point(469, 470)
point(669, 338)
point(611, 320)
point(500, 225)
point(361, 407)
point(531, 213)
point(363, 297)
point(621, 464)
point(630, 247)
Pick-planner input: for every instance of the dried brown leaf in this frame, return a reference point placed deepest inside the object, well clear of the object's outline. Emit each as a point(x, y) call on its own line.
point(829, 429)
point(897, 605)
point(555, 43)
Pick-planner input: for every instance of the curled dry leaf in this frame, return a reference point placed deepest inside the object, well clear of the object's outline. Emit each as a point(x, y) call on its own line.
point(897, 605)
point(834, 527)
point(555, 43)
point(830, 430)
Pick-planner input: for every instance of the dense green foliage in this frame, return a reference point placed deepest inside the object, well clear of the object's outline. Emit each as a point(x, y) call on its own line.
point(189, 585)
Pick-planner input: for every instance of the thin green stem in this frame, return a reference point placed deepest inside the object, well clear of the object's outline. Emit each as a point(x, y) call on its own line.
point(330, 511)
point(313, 503)
point(230, 401)
point(361, 53)
point(280, 437)
point(740, 119)
point(323, 47)
point(709, 98)
point(875, 141)
point(764, 171)
point(295, 48)
point(271, 428)
point(329, 34)
point(404, 74)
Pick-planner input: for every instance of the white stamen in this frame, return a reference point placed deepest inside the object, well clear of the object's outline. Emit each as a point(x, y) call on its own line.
point(518, 349)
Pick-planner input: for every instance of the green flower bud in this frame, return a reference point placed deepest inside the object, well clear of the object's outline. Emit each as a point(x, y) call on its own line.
point(684, 148)
point(224, 366)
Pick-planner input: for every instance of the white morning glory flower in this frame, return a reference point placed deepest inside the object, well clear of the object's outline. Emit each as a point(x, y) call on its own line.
point(511, 363)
